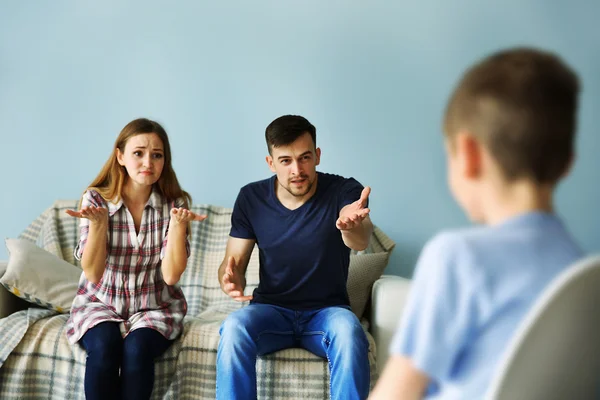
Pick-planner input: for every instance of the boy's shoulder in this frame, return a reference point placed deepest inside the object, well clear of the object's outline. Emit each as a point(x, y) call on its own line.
point(458, 241)
point(455, 254)
point(500, 249)
point(502, 235)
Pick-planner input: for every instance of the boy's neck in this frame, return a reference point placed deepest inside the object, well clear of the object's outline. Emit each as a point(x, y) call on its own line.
point(516, 198)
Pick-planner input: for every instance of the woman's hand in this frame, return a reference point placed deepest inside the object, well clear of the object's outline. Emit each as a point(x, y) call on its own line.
point(183, 216)
point(93, 213)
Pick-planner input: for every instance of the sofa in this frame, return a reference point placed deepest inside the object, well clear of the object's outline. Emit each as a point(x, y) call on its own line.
point(39, 280)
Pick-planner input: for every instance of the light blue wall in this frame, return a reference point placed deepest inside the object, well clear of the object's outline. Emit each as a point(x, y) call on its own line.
point(372, 76)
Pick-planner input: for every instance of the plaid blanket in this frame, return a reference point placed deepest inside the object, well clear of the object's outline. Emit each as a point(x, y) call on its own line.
point(36, 361)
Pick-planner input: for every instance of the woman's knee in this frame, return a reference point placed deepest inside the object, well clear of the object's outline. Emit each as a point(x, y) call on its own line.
point(103, 344)
point(144, 344)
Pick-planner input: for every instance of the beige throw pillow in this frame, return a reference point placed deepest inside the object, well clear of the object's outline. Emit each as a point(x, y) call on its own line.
point(40, 277)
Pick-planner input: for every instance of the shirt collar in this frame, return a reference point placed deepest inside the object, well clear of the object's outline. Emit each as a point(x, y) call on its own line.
point(154, 201)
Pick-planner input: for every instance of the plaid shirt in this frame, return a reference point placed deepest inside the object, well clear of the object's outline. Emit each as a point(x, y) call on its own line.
point(131, 291)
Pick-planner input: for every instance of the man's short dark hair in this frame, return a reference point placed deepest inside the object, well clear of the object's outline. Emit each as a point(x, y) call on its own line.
point(521, 104)
point(286, 129)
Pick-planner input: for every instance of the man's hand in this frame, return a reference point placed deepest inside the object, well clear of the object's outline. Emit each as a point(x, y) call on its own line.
point(353, 214)
point(234, 282)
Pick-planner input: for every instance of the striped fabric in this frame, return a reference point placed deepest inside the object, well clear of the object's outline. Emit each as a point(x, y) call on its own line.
point(36, 360)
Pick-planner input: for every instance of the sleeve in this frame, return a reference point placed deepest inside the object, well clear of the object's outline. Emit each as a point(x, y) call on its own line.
point(179, 203)
point(89, 198)
point(440, 312)
point(241, 227)
point(350, 192)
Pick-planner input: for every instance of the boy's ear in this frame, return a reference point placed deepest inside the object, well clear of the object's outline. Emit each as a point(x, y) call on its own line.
point(569, 166)
point(470, 150)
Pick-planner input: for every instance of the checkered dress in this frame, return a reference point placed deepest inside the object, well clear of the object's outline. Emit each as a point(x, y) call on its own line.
point(131, 291)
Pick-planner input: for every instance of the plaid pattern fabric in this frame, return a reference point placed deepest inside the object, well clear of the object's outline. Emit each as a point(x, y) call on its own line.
point(13, 328)
point(37, 361)
point(119, 296)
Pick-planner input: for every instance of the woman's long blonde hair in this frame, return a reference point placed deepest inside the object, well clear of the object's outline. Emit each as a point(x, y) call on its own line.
point(109, 182)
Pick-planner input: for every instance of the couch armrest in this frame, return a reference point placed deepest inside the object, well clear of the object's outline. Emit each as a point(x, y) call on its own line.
point(388, 295)
point(9, 303)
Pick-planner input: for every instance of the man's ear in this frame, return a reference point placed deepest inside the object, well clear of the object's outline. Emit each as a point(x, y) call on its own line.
point(269, 160)
point(469, 150)
point(318, 154)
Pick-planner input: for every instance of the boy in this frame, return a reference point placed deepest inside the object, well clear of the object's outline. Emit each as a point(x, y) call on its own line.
point(510, 126)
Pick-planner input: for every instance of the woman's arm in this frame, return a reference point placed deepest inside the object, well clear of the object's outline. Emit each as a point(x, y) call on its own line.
point(176, 252)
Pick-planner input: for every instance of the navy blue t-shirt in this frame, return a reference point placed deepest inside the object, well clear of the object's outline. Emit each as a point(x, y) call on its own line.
point(303, 259)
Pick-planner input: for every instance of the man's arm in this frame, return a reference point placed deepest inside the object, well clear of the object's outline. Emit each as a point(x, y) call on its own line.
point(355, 224)
point(400, 380)
point(357, 238)
point(232, 272)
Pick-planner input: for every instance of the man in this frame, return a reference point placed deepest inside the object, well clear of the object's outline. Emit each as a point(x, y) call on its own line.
point(304, 223)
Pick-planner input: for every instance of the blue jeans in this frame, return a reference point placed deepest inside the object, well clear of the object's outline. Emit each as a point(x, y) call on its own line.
point(107, 352)
point(333, 333)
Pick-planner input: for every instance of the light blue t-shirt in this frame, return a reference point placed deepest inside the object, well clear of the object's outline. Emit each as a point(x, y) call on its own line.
point(470, 291)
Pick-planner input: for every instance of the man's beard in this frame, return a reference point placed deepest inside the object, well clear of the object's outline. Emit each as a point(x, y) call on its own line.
point(299, 192)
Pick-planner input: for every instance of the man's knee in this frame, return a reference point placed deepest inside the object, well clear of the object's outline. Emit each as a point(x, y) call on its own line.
point(235, 327)
point(348, 332)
